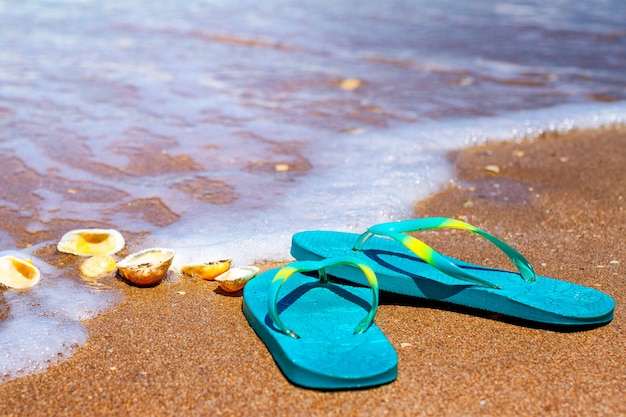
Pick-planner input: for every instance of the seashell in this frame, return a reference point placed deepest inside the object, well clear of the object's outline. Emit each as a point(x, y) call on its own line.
point(494, 169)
point(87, 242)
point(236, 278)
point(97, 265)
point(350, 84)
point(18, 273)
point(147, 267)
point(208, 270)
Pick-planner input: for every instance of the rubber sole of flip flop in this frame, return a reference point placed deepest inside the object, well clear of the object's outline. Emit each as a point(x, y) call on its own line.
point(328, 355)
point(547, 300)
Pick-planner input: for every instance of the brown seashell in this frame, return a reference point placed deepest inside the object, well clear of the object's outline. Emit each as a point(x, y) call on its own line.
point(236, 278)
point(208, 270)
point(147, 267)
point(18, 273)
point(87, 242)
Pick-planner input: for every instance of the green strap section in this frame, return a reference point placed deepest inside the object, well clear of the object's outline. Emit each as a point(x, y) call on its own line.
point(396, 230)
point(305, 266)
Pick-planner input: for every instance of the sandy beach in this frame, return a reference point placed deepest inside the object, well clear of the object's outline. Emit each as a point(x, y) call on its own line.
point(184, 348)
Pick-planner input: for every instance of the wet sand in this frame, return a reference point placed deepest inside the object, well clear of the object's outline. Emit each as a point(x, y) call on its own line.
point(184, 348)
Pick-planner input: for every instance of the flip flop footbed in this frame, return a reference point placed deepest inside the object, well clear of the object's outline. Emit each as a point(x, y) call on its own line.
point(328, 355)
point(546, 300)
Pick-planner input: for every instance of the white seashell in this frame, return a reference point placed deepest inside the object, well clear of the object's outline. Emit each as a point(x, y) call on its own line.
point(18, 273)
point(97, 265)
point(208, 270)
point(236, 278)
point(147, 267)
point(87, 242)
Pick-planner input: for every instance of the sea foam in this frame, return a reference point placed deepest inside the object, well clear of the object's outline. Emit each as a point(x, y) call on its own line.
point(361, 180)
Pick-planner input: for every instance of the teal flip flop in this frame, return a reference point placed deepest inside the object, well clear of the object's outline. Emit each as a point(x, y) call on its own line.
point(328, 352)
point(406, 265)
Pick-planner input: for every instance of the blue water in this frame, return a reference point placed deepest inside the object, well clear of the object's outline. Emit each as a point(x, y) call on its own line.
point(240, 123)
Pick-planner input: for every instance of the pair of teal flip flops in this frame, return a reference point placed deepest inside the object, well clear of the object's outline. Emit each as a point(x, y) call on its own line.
point(332, 354)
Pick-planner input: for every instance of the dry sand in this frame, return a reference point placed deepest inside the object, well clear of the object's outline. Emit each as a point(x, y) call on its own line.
point(183, 348)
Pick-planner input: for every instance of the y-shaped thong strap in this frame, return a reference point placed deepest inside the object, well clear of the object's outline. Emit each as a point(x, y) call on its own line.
point(305, 266)
point(397, 230)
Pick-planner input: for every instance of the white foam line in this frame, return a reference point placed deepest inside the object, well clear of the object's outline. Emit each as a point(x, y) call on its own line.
point(362, 180)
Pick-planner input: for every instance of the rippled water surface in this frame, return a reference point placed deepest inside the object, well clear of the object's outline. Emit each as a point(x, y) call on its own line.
point(220, 128)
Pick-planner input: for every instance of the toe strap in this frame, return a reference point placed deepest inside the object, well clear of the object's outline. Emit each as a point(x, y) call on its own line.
point(306, 266)
point(398, 230)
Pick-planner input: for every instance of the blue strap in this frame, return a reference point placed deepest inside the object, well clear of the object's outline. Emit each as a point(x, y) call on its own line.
point(397, 230)
point(305, 266)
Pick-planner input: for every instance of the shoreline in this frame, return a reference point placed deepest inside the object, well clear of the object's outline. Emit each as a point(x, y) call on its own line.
point(185, 348)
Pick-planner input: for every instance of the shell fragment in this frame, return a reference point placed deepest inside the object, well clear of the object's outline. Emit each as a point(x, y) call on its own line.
point(18, 273)
point(208, 270)
point(236, 278)
point(97, 266)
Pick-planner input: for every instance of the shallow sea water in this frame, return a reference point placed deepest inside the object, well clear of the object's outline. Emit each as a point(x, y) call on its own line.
point(220, 128)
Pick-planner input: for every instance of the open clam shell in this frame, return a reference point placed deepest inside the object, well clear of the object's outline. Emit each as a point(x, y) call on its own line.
point(147, 267)
point(87, 242)
point(236, 278)
point(18, 273)
point(208, 270)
